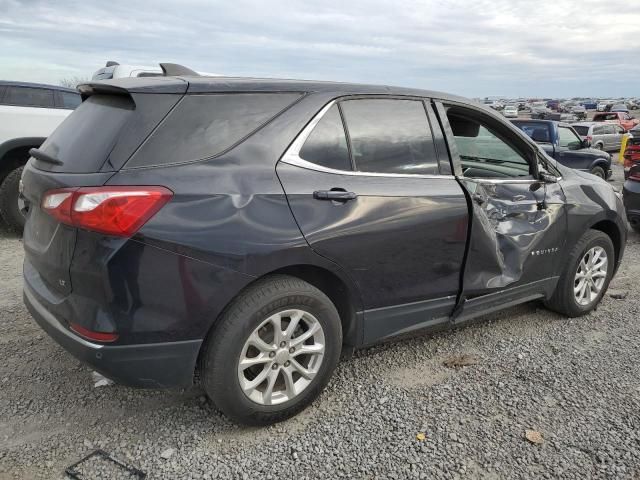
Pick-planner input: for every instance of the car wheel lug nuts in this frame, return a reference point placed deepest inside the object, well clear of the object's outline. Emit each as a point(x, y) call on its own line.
point(272, 354)
point(291, 350)
point(287, 363)
point(283, 344)
point(275, 366)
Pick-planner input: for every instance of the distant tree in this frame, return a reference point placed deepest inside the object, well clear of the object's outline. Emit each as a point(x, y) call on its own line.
point(73, 82)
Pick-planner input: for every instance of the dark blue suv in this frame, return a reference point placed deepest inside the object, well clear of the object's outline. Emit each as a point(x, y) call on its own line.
point(245, 232)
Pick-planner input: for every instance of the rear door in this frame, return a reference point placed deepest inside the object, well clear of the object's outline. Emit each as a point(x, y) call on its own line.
point(518, 223)
point(371, 192)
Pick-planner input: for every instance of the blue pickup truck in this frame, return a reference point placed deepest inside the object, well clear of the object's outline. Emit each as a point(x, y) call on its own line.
point(563, 143)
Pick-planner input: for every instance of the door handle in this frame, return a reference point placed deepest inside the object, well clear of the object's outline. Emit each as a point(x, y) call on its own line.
point(340, 195)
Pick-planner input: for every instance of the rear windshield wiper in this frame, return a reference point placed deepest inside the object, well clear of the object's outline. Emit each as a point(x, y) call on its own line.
point(43, 157)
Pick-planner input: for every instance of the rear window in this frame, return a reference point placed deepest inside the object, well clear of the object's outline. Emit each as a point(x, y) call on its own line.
point(582, 130)
point(84, 139)
point(204, 126)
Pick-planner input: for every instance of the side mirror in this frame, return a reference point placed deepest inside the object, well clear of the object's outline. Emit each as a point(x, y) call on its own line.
point(586, 143)
point(548, 178)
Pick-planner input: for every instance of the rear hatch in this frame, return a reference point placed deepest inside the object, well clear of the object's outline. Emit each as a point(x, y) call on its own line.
point(92, 143)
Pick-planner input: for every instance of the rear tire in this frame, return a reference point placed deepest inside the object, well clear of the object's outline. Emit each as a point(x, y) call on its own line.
point(599, 146)
point(9, 210)
point(598, 172)
point(564, 299)
point(232, 386)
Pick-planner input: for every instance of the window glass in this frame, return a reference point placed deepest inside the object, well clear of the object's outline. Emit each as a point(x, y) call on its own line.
point(482, 151)
point(203, 126)
point(85, 138)
point(69, 100)
point(609, 129)
point(583, 130)
point(568, 138)
point(29, 97)
point(390, 136)
point(327, 144)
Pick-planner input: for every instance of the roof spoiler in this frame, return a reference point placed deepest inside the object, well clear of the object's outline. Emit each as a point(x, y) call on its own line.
point(175, 70)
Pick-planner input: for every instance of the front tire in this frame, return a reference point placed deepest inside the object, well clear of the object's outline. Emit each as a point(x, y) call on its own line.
point(9, 210)
point(586, 276)
point(272, 352)
point(598, 172)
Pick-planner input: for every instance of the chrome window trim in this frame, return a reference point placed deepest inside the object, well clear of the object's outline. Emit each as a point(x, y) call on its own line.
point(292, 155)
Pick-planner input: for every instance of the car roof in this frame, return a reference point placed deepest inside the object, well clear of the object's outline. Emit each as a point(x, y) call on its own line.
point(203, 84)
point(36, 85)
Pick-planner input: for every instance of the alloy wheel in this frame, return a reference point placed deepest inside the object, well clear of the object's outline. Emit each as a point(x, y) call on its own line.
point(281, 357)
point(590, 275)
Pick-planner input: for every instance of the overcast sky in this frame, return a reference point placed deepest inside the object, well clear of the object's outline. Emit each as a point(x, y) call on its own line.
point(474, 48)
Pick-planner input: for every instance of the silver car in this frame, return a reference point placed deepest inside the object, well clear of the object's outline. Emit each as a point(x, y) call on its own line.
point(603, 136)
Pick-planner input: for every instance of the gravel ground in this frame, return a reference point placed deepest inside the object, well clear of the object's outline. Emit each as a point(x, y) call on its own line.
point(393, 411)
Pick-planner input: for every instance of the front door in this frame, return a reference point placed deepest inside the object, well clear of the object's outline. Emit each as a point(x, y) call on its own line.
point(518, 222)
point(372, 199)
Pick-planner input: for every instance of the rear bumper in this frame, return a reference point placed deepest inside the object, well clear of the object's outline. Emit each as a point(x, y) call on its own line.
point(155, 365)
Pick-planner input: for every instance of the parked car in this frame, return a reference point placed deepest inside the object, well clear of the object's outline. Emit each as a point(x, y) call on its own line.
point(113, 70)
point(510, 111)
point(29, 112)
point(603, 136)
point(579, 112)
point(619, 107)
point(589, 104)
point(539, 110)
point(602, 106)
point(560, 141)
point(631, 196)
point(239, 232)
point(623, 119)
point(553, 104)
point(631, 150)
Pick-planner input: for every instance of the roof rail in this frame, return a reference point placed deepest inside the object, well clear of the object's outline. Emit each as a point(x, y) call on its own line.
point(174, 70)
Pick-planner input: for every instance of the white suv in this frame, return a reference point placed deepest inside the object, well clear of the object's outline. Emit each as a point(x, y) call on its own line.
point(29, 112)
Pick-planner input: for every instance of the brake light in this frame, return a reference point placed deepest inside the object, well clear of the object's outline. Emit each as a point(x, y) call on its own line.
point(91, 335)
point(589, 138)
point(119, 211)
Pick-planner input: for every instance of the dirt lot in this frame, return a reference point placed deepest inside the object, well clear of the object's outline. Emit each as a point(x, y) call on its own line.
point(393, 411)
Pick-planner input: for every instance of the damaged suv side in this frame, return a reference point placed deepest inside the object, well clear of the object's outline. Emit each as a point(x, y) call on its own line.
point(253, 229)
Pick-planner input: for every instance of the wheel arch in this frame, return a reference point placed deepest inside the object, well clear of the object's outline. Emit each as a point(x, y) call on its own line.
point(610, 228)
point(344, 297)
point(14, 153)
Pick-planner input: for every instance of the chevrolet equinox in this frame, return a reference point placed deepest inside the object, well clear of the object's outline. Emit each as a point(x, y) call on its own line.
point(244, 232)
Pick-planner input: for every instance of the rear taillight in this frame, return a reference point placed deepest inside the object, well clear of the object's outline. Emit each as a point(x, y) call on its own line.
point(589, 138)
point(119, 211)
point(91, 335)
